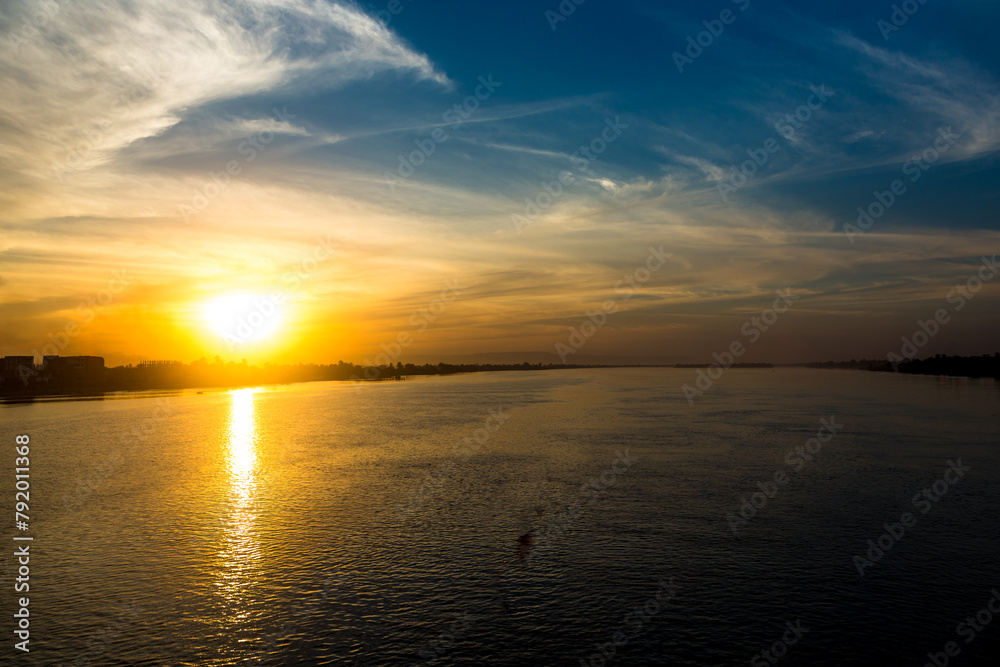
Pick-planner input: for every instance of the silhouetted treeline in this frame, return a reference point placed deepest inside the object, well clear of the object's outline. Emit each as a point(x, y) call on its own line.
point(982, 366)
point(977, 367)
point(202, 373)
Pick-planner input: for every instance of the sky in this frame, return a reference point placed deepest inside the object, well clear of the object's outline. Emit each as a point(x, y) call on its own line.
point(290, 181)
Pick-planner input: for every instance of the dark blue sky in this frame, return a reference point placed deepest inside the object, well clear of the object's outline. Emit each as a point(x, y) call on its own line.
point(891, 96)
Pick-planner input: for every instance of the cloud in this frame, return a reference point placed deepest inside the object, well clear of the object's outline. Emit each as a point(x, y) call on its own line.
point(858, 136)
point(246, 126)
point(607, 184)
point(98, 76)
point(942, 93)
point(711, 171)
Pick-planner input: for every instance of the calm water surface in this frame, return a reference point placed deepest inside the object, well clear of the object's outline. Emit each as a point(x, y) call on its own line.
point(342, 524)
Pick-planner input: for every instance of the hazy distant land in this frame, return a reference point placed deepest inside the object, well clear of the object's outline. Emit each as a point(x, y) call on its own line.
point(39, 380)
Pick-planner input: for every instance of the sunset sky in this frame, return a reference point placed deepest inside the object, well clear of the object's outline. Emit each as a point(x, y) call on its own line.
point(359, 194)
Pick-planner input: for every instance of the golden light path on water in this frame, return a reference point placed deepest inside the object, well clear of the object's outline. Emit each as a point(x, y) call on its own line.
point(240, 548)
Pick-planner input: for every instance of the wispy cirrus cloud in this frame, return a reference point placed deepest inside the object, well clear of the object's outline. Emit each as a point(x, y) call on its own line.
point(940, 91)
point(100, 75)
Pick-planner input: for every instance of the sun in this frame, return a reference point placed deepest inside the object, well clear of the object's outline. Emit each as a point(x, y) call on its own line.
point(242, 317)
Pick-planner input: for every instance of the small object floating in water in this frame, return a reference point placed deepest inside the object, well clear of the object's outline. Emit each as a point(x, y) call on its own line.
point(525, 543)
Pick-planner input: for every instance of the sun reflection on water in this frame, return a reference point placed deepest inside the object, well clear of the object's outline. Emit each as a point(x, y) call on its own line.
point(242, 440)
point(240, 547)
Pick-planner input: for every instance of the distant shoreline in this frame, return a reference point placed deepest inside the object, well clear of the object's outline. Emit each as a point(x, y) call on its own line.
point(251, 376)
point(184, 377)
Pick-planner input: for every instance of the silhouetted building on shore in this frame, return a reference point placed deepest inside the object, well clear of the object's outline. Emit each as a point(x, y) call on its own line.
point(13, 369)
point(55, 372)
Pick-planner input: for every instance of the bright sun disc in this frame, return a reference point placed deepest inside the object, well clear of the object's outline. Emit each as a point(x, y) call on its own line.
point(244, 318)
